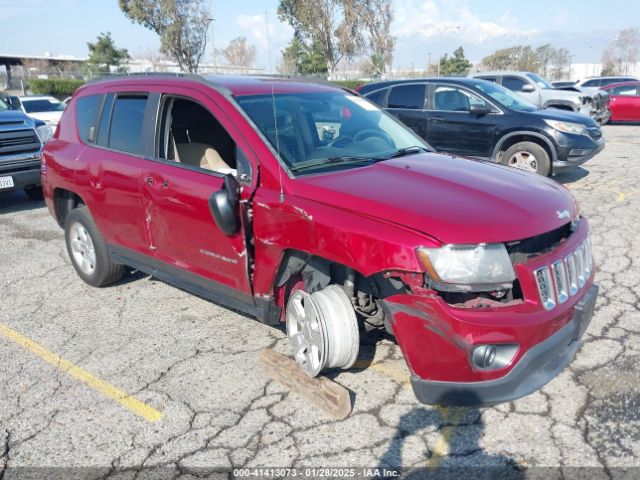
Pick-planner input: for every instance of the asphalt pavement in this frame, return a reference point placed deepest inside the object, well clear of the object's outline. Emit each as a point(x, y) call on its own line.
point(97, 383)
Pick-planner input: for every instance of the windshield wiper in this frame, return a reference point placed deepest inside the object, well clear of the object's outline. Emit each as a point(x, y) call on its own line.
point(347, 160)
point(404, 151)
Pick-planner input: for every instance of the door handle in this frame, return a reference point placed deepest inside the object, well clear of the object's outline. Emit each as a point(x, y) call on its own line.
point(437, 119)
point(149, 180)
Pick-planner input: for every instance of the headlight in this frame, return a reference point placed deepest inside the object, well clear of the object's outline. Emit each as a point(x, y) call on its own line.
point(45, 132)
point(468, 267)
point(567, 127)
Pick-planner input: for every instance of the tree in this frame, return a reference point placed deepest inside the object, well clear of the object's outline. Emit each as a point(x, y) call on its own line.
point(561, 63)
point(377, 15)
point(239, 53)
point(546, 56)
point(332, 26)
point(301, 59)
point(181, 24)
point(456, 65)
point(520, 57)
point(104, 54)
point(620, 56)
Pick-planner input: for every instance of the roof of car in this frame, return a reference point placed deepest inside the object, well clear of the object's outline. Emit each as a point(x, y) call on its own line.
point(36, 97)
point(388, 83)
point(619, 84)
point(232, 84)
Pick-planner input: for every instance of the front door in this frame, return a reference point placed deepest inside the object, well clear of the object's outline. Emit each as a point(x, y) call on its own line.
point(453, 128)
point(625, 102)
point(194, 153)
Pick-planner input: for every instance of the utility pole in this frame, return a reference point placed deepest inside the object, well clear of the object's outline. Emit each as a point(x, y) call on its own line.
point(266, 24)
point(213, 43)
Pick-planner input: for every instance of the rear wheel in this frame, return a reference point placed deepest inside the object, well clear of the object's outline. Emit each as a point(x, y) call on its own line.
point(88, 250)
point(527, 156)
point(322, 329)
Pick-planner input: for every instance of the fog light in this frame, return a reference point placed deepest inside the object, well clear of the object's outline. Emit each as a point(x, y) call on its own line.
point(493, 357)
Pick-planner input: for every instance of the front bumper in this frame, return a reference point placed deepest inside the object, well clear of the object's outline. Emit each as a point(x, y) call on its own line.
point(536, 368)
point(25, 173)
point(568, 159)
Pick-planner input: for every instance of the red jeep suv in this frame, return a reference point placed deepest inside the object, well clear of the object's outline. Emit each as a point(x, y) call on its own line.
point(306, 204)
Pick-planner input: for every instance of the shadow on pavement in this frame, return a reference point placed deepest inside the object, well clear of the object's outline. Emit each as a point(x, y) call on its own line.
point(571, 175)
point(456, 453)
point(17, 201)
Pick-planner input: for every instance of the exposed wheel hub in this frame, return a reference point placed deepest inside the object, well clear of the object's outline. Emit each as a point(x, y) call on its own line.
point(322, 329)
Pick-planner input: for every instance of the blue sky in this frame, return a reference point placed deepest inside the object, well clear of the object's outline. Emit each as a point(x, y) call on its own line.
point(421, 27)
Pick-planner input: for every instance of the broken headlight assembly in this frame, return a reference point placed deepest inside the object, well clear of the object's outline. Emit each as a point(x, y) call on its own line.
point(467, 268)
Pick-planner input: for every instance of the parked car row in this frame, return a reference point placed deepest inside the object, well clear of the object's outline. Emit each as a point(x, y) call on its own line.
point(309, 205)
point(479, 118)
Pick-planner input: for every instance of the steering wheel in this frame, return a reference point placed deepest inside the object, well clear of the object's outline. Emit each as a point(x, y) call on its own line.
point(362, 134)
point(346, 139)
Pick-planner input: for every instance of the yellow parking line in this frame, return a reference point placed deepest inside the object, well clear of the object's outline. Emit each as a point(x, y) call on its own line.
point(452, 416)
point(130, 403)
point(387, 370)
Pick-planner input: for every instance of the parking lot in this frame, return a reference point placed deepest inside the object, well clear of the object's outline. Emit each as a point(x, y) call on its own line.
point(144, 374)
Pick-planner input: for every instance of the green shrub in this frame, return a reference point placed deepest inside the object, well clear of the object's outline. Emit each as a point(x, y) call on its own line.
point(58, 87)
point(352, 84)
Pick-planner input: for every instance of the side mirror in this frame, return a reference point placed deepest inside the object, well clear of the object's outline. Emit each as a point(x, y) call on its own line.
point(224, 205)
point(14, 103)
point(479, 110)
point(527, 88)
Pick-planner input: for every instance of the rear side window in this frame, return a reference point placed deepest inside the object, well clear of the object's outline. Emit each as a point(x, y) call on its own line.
point(624, 90)
point(407, 96)
point(127, 119)
point(86, 115)
point(513, 83)
point(489, 79)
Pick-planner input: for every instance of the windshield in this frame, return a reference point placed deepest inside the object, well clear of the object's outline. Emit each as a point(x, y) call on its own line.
point(328, 129)
point(542, 83)
point(506, 97)
point(42, 105)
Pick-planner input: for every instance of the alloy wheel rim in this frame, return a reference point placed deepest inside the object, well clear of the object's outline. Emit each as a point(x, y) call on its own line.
point(82, 249)
point(306, 333)
point(524, 160)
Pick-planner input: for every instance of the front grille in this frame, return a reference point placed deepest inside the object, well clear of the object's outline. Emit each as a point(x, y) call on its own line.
point(595, 132)
point(522, 250)
point(18, 141)
point(566, 277)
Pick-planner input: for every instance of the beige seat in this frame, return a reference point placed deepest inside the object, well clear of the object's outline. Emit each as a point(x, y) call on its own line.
point(201, 155)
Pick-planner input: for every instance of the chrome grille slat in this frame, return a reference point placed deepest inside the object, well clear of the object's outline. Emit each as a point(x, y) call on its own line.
point(564, 277)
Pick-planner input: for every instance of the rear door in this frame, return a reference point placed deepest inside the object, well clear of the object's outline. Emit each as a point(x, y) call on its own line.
point(453, 128)
point(625, 102)
point(111, 166)
point(407, 103)
point(194, 142)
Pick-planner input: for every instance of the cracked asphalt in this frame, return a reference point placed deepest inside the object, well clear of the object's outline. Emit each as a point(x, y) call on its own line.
point(198, 364)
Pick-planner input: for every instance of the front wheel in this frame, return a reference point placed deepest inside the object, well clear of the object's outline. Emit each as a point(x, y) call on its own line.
point(88, 250)
point(323, 329)
point(527, 156)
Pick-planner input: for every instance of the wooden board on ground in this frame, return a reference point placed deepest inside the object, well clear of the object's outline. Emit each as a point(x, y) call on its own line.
point(322, 392)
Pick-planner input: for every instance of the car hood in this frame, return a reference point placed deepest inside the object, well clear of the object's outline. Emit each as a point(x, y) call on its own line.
point(14, 116)
point(563, 116)
point(558, 94)
point(51, 118)
point(453, 199)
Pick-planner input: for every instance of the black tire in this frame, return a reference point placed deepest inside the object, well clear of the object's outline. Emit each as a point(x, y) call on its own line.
point(542, 161)
point(34, 193)
point(105, 271)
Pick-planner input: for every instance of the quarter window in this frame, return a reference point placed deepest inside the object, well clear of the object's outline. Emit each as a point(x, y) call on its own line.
point(87, 115)
point(407, 96)
point(127, 120)
point(378, 97)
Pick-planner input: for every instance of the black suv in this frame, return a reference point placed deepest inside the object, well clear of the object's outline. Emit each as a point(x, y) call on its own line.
point(473, 117)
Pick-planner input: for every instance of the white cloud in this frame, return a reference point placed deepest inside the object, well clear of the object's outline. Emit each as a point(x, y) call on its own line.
point(256, 28)
point(425, 20)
